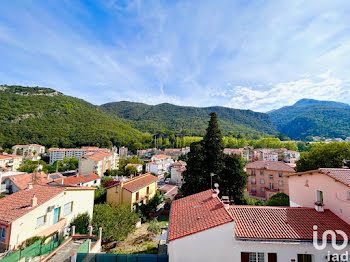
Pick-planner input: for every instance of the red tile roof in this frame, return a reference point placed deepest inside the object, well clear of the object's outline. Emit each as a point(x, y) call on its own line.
point(8, 156)
point(139, 182)
point(196, 213)
point(75, 180)
point(18, 204)
point(270, 165)
point(161, 156)
point(283, 223)
point(22, 180)
point(341, 175)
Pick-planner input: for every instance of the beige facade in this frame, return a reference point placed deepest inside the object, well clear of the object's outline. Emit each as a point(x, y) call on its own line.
point(28, 150)
point(98, 162)
point(138, 190)
point(11, 162)
point(49, 217)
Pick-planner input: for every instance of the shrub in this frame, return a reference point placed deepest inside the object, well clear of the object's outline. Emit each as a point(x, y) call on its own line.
point(81, 223)
point(278, 199)
point(154, 227)
point(31, 241)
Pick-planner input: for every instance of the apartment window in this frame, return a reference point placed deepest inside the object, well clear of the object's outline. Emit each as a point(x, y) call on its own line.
point(271, 177)
point(262, 181)
point(348, 195)
point(319, 196)
point(253, 180)
point(280, 174)
point(147, 190)
point(2, 234)
point(281, 183)
point(253, 188)
point(304, 258)
point(137, 196)
point(67, 209)
point(253, 172)
point(262, 172)
point(40, 221)
point(262, 189)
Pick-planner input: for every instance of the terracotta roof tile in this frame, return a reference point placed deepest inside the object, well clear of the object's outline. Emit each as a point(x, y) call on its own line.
point(22, 180)
point(196, 213)
point(139, 182)
point(75, 180)
point(340, 174)
point(161, 156)
point(270, 165)
point(283, 223)
point(18, 204)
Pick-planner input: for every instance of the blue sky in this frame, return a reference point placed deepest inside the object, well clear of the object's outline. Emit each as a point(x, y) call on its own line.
point(257, 55)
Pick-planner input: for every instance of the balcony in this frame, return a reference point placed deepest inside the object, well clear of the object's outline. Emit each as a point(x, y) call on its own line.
point(51, 229)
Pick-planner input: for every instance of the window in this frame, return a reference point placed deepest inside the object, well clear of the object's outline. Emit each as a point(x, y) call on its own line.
point(252, 257)
point(147, 190)
point(304, 258)
point(271, 177)
point(262, 181)
point(253, 188)
point(319, 196)
point(253, 172)
point(280, 174)
point(262, 189)
point(281, 183)
point(40, 221)
point(253, 180)
point(137, 196)
point(348, 195)
point(2, 234)
point(67, 208)
point(262, 172)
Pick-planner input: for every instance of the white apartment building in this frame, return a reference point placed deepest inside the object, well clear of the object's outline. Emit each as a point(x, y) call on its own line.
point(10, 162)
point(58, 154)
point(159, 164)
point(176, 172)
point(28, 150)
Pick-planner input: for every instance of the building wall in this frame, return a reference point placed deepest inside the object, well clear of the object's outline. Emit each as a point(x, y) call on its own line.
point(303, 193)
point(176, 176)
point(26, 226)
point(11, 163)
point(260, 187)
point(219, 244)
point(124, 196)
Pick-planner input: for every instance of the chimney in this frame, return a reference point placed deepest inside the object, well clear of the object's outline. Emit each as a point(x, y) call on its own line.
point(226, 201)
point(30, 185)
point(216, 191)
point(34, 201)
point(319, 207)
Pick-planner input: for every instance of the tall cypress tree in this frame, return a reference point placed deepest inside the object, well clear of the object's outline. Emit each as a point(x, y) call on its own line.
point(207, 157)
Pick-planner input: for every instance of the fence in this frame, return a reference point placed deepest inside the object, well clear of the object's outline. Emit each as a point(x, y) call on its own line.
point(34, 250)
point(121, 258)
point(84, 248)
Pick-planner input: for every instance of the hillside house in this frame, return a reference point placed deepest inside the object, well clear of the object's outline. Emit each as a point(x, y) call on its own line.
point(41, 210)
point(135, 191)
point(177, 170)
point(204, 228)
point(159, 164)
point(98, 162)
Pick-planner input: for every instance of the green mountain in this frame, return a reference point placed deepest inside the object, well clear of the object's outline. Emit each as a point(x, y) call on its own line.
point(185, 120)
point(309, 117)
point(47, 117)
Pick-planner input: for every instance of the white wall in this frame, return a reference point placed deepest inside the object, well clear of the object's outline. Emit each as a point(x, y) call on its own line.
point(219, 244)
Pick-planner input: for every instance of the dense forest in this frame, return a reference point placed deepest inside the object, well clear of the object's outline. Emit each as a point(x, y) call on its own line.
point(185, 120)
point(44, 116)
point(310, 117)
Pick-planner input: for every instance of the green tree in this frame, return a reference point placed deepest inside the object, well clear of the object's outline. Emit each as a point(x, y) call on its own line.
point(81, 223)
point(30, 166)
point(278, 199)
point(116, 222)
point(207, 157)
point(324, 155)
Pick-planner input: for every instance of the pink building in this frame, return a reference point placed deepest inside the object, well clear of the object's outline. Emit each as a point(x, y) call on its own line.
point(325, 188)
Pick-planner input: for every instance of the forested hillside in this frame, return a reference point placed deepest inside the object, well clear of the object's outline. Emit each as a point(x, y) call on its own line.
point(310, 117)
point(44, 116)
point(185, 120)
